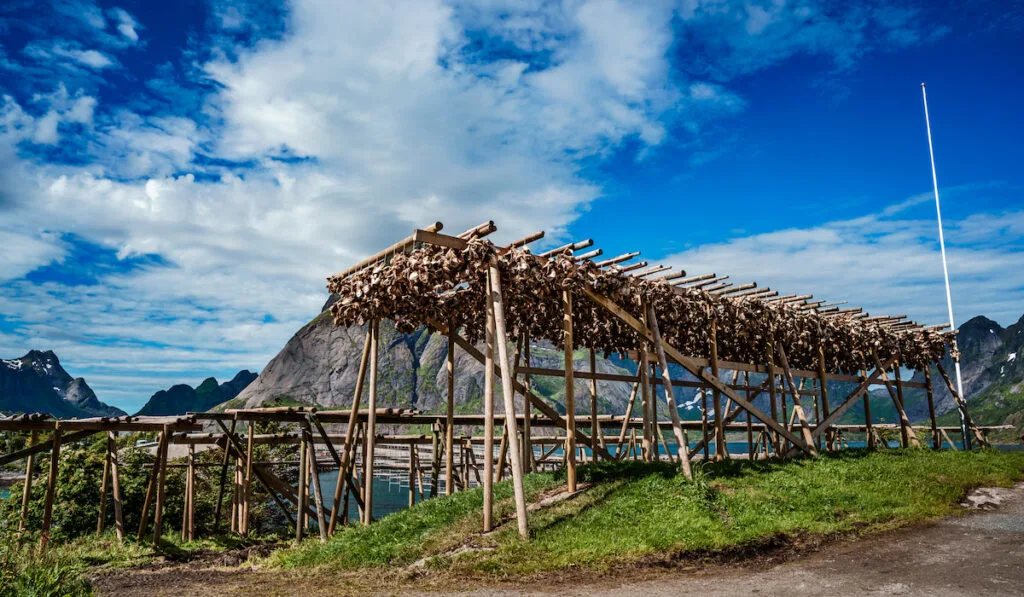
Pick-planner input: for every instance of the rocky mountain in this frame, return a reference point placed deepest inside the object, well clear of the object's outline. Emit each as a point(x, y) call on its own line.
point(37, 382)
point(183, 398)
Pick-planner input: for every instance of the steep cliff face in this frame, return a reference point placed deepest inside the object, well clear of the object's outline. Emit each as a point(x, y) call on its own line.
point(320, 364)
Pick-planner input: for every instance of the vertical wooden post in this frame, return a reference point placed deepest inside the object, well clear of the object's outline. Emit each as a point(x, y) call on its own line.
point(797, 407)
point(449, 433)
point(528, 460)
point(51, 486)
point(150, 491)
point(508, 392)
point(412, 477)
point(301, 490)
point(645, 403)
point(158, 515)
point(823, 384)
point(247, 482)
point(184, 510)
point(906, 430)
point(223, 477)
point(869, 431)
point(488, 473)
point(570, 392)
point(102, 518)
point(751, 452)
point(936, 440)
point(773, 396)
point(191, 493)
point(115, 482)
point(656, 437)
point(435, 457)
point(720, 449)
point(371, 428)
point(677, 429)
point(26, 493)
point(314, 471)
point(348, 450)
point(595, 432)
point(704, 427)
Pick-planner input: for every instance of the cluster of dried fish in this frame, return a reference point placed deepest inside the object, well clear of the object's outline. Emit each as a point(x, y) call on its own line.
point(448, 285)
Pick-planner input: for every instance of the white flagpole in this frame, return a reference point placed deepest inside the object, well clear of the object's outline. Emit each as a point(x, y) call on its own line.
point(945, 269)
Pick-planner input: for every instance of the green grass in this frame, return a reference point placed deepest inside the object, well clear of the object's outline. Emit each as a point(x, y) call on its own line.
point(638, 512)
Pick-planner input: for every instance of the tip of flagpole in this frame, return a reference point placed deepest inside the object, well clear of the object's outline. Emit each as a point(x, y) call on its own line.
point(922, 84)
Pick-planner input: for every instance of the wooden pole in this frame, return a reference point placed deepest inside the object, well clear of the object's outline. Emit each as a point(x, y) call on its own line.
point(773, 398)
point(115, 481)
point(314, 471)
point(412, 476)
point(435, 457)
point(870, 433)
point(158, 514)
point(823, 384)
point(449, 430)
point(223, 477)
point(750, 429)
point(51, 486)
point(704, 427)
point(191, 493)
point(666, 378)
point(645, 403)
point(371, 428)
point(720, 449)
point(488, 473)
point(906, 431)
point(102, 517)
point(936, 440)
point(247, 482)
point(528, 460)
point(805, 429)
point(570, 392)
point(508, 392)
point(594, 427)
point(300, 517)
point(150, 491)
point(348, 450)
point(26, 493)
point(188, 495)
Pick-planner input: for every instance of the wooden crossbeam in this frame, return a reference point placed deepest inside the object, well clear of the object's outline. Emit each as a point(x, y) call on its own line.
point(693, 366)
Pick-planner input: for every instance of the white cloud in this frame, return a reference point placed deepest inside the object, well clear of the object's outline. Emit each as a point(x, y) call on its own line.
point(888, 266)
point(126, 23)
point(405, 113)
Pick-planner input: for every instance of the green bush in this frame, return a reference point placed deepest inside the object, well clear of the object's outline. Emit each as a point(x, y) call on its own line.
point(26, 573)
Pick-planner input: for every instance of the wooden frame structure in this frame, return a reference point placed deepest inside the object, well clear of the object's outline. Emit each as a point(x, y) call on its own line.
point(486, 299)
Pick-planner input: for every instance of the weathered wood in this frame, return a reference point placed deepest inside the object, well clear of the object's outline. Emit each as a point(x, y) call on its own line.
point(371, 427)
point(115, 482)
point(102, 517)
point(961, 405)
point(570, 392)
point(805, 429)
point(302, 490)
point(158, 514)
point(449, 432)
point(870, 439)
point(595, 429)
point(26, 490)
point(692, 366)
point(51, 486)
point(716, 396)
point(649, 442)
point(223, 477)
point(823, 385)
point(263, 475)
point(318, 497)
point(906, 430)
point(43, 446)
point(511, 432)
point(190, 495)
point(670, 400)
point(936, 441)
point(488, 473)
point(528, 459)
point(345, 468)
point(150, 492)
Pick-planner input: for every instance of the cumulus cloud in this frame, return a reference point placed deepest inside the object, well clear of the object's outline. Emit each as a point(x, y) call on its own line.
point(326, 133)
point(887, 265)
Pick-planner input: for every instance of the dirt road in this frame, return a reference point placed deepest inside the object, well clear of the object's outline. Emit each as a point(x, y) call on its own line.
point(978, 554)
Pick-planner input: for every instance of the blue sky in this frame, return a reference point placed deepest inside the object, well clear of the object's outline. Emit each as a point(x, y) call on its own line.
point(177, 179)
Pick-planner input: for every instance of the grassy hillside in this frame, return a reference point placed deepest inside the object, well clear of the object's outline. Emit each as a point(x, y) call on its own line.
point(639, 513)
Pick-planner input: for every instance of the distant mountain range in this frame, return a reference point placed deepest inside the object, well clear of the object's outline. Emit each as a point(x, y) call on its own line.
point(37, 382)
point(183, 398)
